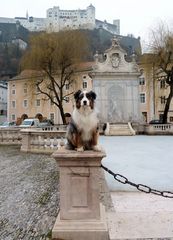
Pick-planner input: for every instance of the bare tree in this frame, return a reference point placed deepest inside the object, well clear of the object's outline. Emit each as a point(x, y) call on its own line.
point(161, 60)
point(55, 56)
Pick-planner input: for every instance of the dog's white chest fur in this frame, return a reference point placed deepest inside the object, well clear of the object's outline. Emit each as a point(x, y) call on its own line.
point(85, 121)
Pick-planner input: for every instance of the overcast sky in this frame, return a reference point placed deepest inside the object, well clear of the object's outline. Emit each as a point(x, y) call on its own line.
point(136, 16)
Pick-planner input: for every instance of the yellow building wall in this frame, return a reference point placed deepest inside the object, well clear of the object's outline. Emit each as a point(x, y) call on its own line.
point(22, 90)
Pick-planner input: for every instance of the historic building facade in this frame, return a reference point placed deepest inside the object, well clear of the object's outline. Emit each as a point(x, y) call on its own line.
point(115, 81)
point(3, 101)
point(70, 19)
point(153, 93)
point(24, 98)
point(126, 92)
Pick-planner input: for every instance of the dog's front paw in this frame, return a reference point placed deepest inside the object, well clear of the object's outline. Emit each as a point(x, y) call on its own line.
point(80, 149)
point(97, 148)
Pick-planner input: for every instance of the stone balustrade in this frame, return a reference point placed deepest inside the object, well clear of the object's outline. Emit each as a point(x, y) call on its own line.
point(10, 136)
point(57, 127)
point(41, 141)
point(37, 140)
point(159, 129)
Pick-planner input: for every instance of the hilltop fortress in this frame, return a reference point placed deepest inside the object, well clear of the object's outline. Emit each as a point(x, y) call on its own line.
point(57, 19)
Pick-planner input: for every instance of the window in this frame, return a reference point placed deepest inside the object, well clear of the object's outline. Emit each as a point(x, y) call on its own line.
point(67, 86)
point(13, 117)
point(84, 84)
point(142, 97)
point(13, 91)
point(161, 117)
point(52, 116)
point(163, 99)
point(162, 84)
point(142, 81)
point(38, 102)
point(25, 103)
point(13, 104)
point(144, 114)
point(25, 90)
point(171, 119)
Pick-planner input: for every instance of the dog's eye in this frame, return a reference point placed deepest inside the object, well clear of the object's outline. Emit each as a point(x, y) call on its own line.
point(81, 96)
point(88, 95)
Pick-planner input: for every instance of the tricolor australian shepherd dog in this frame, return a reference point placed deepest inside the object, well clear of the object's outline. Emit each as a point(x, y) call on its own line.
point(83, 130)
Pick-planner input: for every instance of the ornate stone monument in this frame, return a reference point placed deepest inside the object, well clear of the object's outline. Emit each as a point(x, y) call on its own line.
point(116, 83)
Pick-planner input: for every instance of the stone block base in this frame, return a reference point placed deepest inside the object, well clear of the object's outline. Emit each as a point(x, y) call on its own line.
point(81, 229)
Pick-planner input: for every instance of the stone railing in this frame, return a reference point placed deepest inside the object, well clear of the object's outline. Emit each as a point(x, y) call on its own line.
point(10, 136)
point(54, 128)
point(41, 141)
point(159, 129)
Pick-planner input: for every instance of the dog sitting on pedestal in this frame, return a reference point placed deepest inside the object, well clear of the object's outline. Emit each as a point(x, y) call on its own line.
point(83, 129)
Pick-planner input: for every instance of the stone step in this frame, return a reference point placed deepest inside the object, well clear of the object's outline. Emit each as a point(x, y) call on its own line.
point(118, 130)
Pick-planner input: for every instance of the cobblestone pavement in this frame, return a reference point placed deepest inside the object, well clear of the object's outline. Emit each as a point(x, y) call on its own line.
point(29, 195)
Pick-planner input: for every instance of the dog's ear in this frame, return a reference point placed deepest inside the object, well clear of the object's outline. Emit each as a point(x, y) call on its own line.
point(76, 95)
point(93, 94)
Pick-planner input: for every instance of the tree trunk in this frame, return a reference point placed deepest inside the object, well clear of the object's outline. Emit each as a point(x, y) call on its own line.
point(62, 114)
point(167, 105)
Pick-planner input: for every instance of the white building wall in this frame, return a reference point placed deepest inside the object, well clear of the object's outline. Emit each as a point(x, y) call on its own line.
point(33, 24)
point(63, 19)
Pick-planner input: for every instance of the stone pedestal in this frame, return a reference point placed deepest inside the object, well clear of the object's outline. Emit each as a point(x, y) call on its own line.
point(81, 214)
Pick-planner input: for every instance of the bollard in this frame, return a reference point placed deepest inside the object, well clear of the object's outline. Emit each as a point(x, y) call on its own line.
point(81, 216)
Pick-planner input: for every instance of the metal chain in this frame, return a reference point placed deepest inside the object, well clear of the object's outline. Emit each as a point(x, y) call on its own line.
point(141, 187)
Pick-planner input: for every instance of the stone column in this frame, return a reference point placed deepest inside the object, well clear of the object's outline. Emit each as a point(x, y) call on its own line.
point(81, 216)
point(26, 140)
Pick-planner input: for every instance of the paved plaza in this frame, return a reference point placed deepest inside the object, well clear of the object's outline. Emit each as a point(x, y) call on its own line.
point(142, 159)
point(147, 160)
point(140, 216)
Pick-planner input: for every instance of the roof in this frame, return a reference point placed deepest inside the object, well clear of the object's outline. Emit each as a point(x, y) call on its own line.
point(25, 74)
point(85, 66)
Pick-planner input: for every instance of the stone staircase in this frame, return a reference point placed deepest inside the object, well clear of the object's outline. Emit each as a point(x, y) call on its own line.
point(119, 129)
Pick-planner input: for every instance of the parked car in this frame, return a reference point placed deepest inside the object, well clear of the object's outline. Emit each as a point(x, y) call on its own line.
point(8, 124)
point(30, 122)
point(155, 121)
point(46, 123)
